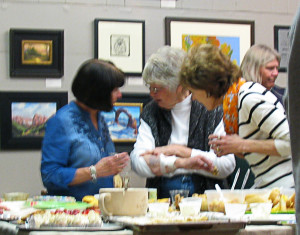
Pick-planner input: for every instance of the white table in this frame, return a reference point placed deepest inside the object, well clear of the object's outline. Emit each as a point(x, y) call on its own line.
point(11, 229)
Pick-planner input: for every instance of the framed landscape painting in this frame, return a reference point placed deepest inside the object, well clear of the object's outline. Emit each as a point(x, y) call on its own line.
point(37, 53)
point(123, 121)
point(24, 115)
point(233, 37)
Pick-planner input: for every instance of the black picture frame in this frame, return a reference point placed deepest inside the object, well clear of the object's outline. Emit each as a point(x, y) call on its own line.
point(240, 30)
point(129, 35)
point(133, 98)
point(281, 44)
point(10, 139)
point(27, 59)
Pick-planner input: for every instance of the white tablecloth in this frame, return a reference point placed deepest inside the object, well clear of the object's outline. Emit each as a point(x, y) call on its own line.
point(11, 229)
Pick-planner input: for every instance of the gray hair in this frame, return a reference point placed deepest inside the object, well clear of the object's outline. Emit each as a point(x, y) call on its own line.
point(163, 67)
point(256, 57)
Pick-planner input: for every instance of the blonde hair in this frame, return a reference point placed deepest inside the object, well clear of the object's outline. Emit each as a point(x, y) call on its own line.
point(256, 57)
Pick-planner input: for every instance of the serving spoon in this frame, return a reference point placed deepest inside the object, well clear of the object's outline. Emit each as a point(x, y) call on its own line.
point(220, 192)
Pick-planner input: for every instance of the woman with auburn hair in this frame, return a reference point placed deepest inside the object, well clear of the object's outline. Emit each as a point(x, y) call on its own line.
point(263, 138)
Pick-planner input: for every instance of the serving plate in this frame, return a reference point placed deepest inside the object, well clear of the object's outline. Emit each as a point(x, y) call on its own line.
point(104, 227)
point(144, 224)
point(8, 217)
point(56, 205)
point(273, 219)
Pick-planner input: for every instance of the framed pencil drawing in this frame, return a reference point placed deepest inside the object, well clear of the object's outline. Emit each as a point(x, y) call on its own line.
point(281, 44)
point(23, 117)
point(123, 121)
point(36, 53)
point(234, 37)
point(122, 42)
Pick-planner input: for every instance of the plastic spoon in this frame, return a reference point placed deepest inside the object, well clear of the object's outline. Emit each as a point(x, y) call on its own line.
point(220, 192)
point(235, 179)
point(245, 179)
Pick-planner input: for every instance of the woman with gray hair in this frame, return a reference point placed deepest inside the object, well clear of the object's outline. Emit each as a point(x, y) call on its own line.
point(261, 64)
point(172, 148)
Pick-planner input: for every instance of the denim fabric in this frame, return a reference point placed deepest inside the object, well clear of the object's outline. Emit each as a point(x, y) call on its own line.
point(176, 182)
point(71, 141)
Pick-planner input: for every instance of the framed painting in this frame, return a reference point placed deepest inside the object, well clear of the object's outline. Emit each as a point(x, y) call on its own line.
point(121, 42)
point(281, 44)
point(24, 115)
point(36, 53)
point(232, 36)
point(123, 121)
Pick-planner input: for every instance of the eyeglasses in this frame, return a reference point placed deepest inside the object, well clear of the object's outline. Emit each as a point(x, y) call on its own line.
point(155, 90)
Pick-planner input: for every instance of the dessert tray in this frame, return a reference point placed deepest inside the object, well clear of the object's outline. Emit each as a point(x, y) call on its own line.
point(104, 227)
point(68, 220)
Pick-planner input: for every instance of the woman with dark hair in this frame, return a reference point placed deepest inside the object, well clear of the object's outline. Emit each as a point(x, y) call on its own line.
point(263, 133)
point(77, 153)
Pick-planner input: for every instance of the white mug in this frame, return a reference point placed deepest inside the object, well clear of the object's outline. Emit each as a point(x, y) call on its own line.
point(125, 202)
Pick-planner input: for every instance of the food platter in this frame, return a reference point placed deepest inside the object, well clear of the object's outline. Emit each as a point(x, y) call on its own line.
point(144, 224)
point(273, 219)
point(104, 227)
point(8, 217)
point(56, 204)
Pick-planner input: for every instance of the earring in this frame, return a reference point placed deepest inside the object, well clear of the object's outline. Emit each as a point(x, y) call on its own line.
point(208, 94)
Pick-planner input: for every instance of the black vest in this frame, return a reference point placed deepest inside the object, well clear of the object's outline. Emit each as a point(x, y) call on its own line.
point(202, 124)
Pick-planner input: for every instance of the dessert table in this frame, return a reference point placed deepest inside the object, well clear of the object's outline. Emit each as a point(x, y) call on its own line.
point(7, 228)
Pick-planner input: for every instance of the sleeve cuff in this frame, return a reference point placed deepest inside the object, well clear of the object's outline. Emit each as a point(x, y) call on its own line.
point(283, 147)
point(167, 164)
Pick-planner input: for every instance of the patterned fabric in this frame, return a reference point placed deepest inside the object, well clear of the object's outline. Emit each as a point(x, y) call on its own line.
point(230, 107)
point(262, 117)
point(202, 124)
point(71, 141)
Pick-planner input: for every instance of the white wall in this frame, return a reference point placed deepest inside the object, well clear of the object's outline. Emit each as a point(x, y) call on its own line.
point(19, 170)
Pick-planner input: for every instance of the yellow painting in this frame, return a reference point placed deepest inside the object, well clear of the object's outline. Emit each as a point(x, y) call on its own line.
point(37, 52)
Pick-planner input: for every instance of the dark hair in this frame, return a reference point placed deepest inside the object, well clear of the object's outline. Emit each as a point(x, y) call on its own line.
point(207, 68)
point(94, 82)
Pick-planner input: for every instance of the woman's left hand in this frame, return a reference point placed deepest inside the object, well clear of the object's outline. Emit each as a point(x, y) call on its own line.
point(226, 144)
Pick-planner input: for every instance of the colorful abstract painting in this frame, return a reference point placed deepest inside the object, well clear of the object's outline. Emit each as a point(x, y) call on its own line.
point(229, 45)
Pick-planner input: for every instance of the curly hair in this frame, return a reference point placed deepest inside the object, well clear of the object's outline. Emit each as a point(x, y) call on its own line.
point(206, 68)
point(256, 57)
point(163, 67)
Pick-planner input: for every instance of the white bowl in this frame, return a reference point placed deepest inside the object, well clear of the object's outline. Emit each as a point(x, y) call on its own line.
point(261, 210)
point(214, 200)
point(190, 206)
point(158, 208)
point(235, 210)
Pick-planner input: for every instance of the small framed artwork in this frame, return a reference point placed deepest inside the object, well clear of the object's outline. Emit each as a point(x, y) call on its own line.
point(281, 44)
point(123, 121)
point(121, 42)
point(234, 37)
point(36, 53)
point(24, 115)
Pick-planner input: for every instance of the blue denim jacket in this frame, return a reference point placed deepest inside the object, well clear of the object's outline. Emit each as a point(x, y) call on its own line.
point(71, 141)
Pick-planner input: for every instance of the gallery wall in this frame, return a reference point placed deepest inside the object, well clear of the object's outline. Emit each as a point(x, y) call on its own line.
point(19, 169)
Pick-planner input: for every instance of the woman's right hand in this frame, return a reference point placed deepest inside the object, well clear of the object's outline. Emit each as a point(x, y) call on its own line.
point(112, 165)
